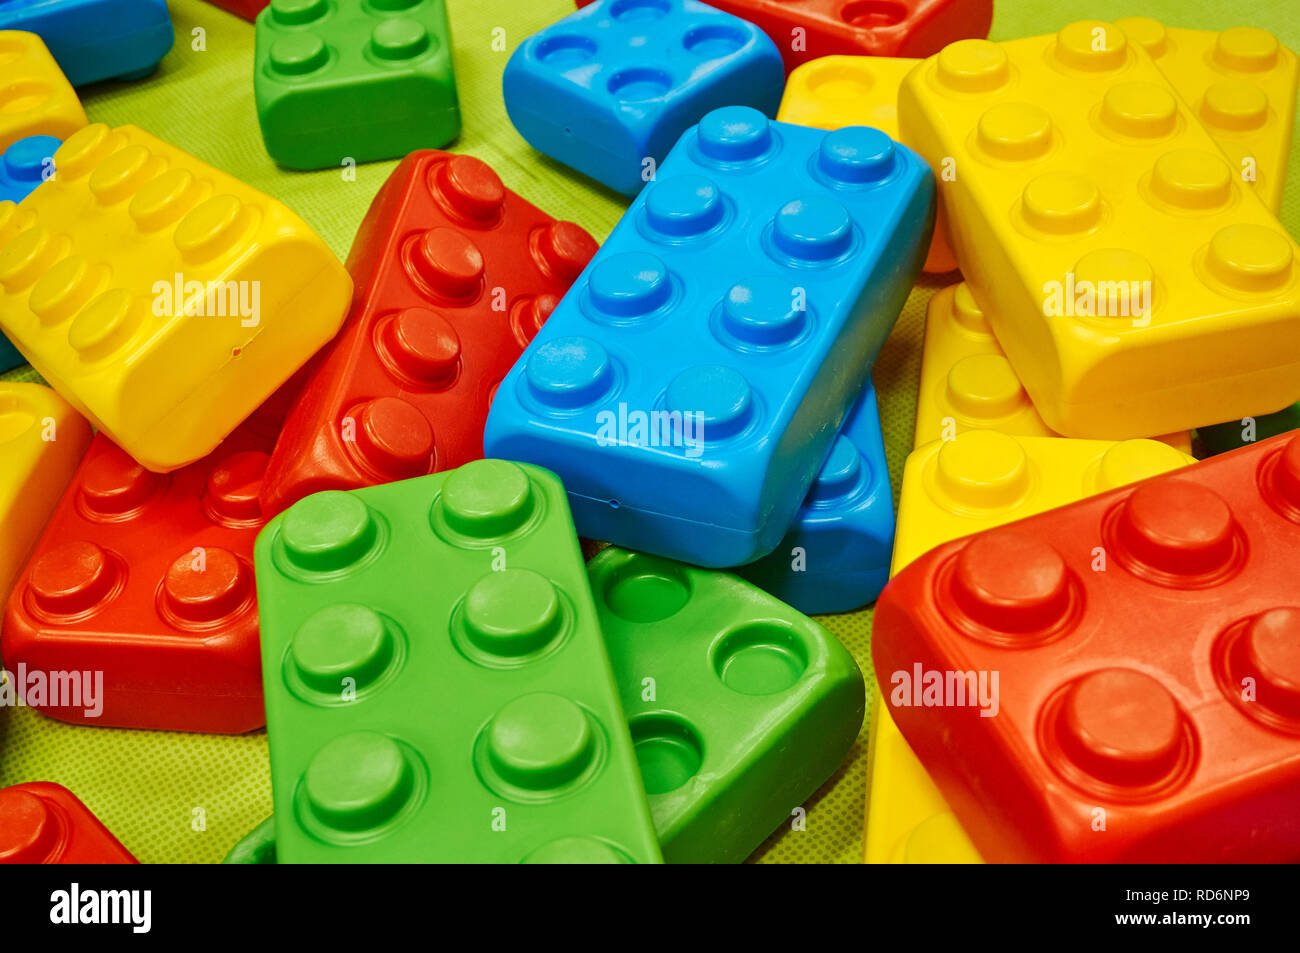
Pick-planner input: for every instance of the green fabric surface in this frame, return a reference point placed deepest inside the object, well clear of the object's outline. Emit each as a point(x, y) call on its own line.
point(173, 797)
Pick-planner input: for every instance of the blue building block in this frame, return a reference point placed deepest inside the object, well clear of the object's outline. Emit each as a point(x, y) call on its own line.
point(23, 166)
point(96, 39)
point(835, 555)
point(688, 386)
point(616, 83)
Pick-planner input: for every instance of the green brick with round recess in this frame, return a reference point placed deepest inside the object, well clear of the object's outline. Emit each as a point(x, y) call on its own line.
point(437, 687)
point(740, 707)
point(346, 79)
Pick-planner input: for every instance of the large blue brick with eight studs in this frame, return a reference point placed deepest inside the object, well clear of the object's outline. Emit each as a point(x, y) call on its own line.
point(688, 386)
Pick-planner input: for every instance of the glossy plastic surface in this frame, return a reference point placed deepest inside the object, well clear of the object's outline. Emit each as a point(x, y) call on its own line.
point(45, 823)
point(609, 89)
point(96, 39)
point(26, 164)
point(49, 107)
point(468, 588)
point(800, 246)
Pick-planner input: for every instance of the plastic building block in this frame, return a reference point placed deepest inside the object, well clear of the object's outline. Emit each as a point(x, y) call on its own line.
point(25, 165)
point(38, 99)
point(248, 9)
point(96, 39)
point(1220, 438)
point(807, 29)
point(1180, 736)
point(983, 478)
point(454, 274)
point(698, 437)
point(967, 383)
point(609, 89)
point(342, 79)
point(837, 91)
point(175, 298)
point(149, 579)
point(45, 823)
point(42, 439)
point(835, 556)
point(467, 587)
point(255, 847)
point(754, 704)
point(1241, 83)
point(1138, 286)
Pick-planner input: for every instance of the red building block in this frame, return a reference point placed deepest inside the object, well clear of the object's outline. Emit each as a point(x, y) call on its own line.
point(454, 274)
point(1147, 645)
point(44, 823)
point(248, 9)
point(804, 30)
point(147, 578)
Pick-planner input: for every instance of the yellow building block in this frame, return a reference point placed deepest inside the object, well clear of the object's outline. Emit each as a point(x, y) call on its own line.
point(163, 298)
point(36, 99)
point(951, 489)
point(42, 439)
point(1079, 169)
point(967, 383)
point(836, 91)
point(1241, 84)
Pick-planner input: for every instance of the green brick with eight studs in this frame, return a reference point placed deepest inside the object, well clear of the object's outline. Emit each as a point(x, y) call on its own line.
point(346, 79)
point(740, 706)
point(437, 687)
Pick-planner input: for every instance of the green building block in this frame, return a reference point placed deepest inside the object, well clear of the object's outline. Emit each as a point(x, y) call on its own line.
point(1221, 438)
point(340, 79)
point(740, 706)
point(437, 688)
point(256, 847)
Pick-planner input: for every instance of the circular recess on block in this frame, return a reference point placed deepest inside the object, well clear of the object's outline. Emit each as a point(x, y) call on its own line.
point(1246, 49)
point(1015, 132)
point(1251, 259)
point(298, 54)
point(1062, 204)
point(1131, 461)
point(1120, 732)
point(115, 487)
point(639, 11)
point(873, 14)
point(74, 580)
point(838, 79)
point(813, 230)
point(528, 314)
point(1091, 46)
point(399, 38)
point(419, 346)
point(340, 651)
point(361, 783)
point(1015, 586)
point(1234, 106)
point(31, 828)
point(568, 373)
point(487, 499)
point(469, 187)
point(330, 531)
point(760, 658)
point(1177, 533)
point(734, 134)
point(973, 66)
point(391, 438)
point(513, 614)
point(718, 398)
point(1257, 665)
point(668, 750)
point(231, 495)
point(577, 850)
point(984, 387)
point(714, 41)
point(982, 470)
point(24, 97)
point(565, 50)
point(683, 206)
point(856, 155)
point(939, 839)
point(639, 84)
point(646, 589)
point(206, 586)
point(539, 747)
point(764, 312)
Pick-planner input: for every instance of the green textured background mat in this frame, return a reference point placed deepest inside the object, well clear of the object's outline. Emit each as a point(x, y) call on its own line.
point(173, 797)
